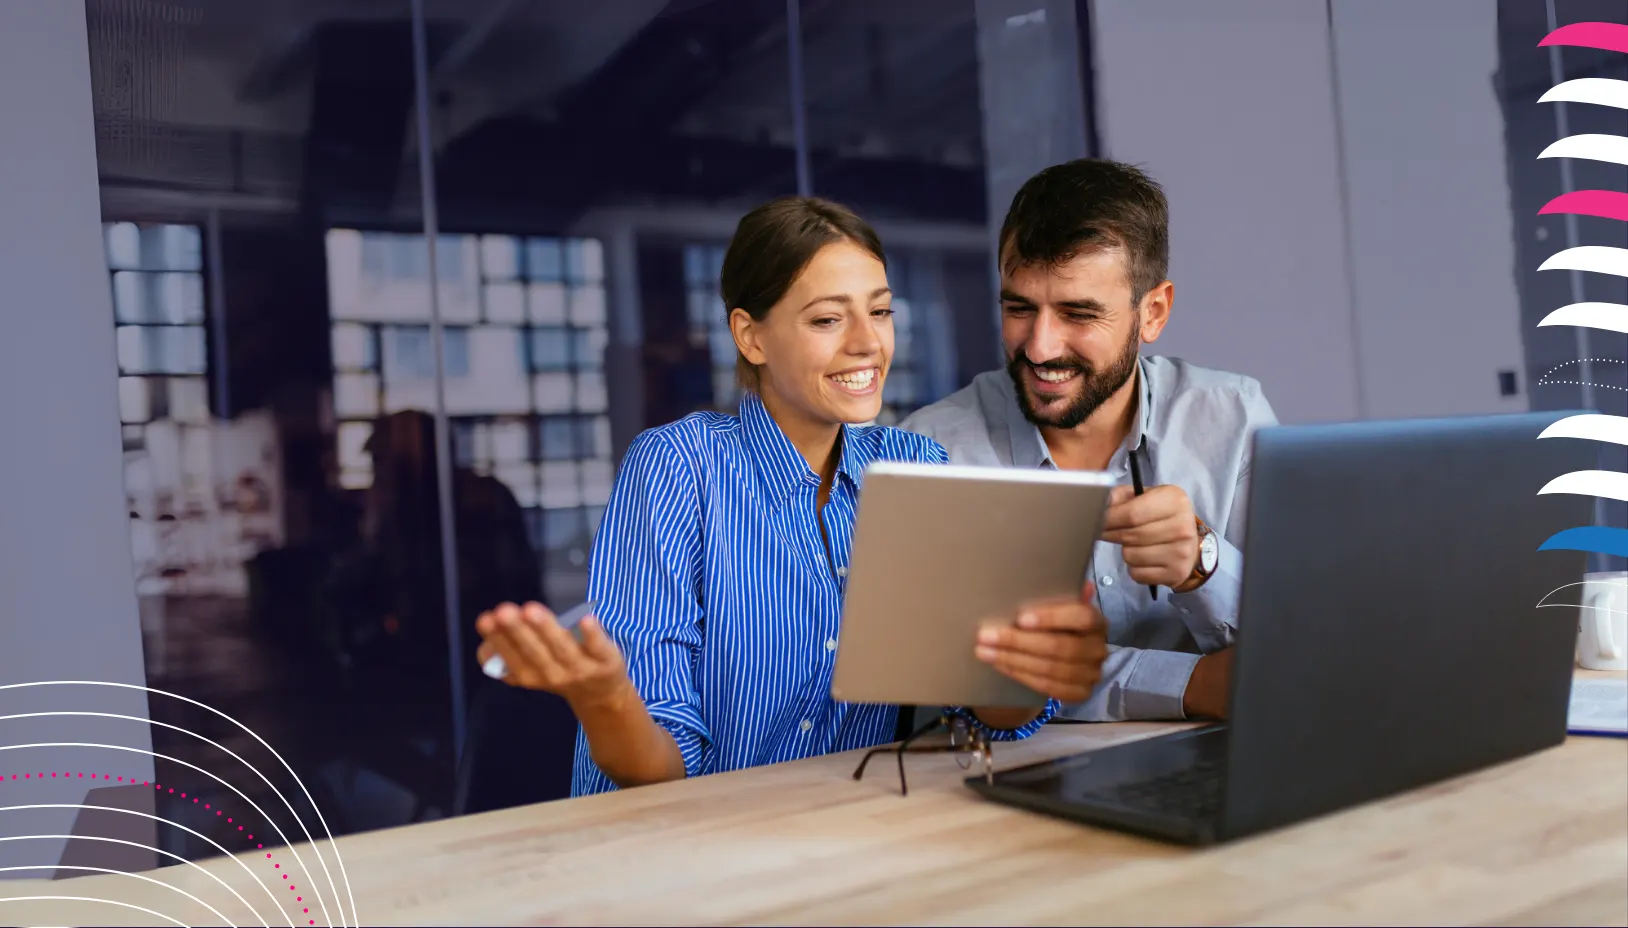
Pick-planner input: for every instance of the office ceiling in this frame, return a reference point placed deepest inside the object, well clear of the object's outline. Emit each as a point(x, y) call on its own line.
point(883, 79)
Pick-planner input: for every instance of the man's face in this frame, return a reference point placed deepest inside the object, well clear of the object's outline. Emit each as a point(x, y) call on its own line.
point(1071, 335)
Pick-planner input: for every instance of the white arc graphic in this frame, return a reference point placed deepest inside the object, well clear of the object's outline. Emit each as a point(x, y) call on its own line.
point(134, 876)
point(1544, 603)
point(317, 888)
point(116, 902)
point(1612, 317)
point(345, 877)
point(1608, 148)
point(1599, 259)
point(224, 852)
point(209, 873)
point(1592, 426)
point(1606, 484)
point(1600, 91)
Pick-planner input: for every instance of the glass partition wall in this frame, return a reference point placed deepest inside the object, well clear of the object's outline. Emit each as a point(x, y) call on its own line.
point(396, 282)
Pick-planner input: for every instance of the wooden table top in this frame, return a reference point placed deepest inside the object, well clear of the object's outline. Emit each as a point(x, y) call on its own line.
point(1541, 840)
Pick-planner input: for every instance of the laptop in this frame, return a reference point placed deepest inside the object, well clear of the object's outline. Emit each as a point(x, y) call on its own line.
point(1389, 635)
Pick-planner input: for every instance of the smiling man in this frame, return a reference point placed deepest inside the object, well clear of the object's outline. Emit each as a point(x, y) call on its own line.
point(1084, 256)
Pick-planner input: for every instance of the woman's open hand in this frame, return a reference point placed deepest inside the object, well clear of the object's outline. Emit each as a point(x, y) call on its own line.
point(540, 655)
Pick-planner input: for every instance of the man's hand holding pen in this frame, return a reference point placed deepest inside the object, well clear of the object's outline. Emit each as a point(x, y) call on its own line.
point(1157, 532)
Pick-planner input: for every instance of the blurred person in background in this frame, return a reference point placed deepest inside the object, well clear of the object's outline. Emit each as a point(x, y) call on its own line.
point(401, 532)
point(390, 598)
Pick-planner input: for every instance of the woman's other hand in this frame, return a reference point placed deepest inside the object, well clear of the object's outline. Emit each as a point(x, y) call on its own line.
point(540, 655)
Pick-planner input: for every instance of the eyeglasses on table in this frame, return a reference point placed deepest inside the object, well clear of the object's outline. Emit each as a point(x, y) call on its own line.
point(966, 742)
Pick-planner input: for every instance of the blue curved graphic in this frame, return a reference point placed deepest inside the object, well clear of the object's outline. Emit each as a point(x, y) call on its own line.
point(1594, 539)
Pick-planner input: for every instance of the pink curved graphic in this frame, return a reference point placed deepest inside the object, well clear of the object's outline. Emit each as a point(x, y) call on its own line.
point(1611, 37)
point(1606, 204)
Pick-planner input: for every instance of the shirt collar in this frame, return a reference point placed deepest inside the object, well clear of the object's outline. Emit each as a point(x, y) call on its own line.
point(780, 466)
point(1029, 446)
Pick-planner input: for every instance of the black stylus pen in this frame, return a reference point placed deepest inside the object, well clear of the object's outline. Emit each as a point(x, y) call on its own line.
point(1136, 481)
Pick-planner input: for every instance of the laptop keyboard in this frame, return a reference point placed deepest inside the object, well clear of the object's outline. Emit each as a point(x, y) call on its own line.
point(1191, 793)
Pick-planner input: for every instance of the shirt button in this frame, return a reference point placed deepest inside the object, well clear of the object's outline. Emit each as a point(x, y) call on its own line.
point(805, 725)
point(842, 571)
point(1107, 580)
point(830, 644)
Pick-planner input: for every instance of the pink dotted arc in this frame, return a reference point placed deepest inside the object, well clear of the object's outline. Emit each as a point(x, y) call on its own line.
point(158, 786)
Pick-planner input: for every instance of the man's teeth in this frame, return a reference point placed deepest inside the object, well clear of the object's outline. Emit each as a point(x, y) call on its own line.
point(856, 378)
point(1054, 376)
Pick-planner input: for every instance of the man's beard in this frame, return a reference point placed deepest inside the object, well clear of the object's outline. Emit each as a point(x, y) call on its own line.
point(1095, 386)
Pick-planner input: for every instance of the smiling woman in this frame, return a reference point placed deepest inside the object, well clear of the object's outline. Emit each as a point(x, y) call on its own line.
point(720, 567)
point(811, 314)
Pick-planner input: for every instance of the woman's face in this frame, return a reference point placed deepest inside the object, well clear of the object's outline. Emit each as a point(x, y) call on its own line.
point(823, 351)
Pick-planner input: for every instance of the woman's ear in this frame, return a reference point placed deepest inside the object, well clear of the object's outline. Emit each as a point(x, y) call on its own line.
point(747, 334)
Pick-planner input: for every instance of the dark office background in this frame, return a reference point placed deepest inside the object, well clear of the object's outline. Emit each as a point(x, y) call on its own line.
point(272, 175)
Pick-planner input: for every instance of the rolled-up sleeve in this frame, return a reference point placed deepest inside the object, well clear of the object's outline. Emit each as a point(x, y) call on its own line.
point(644, 575)
point(1047, 713)
point(1211, 611)
point(1148, 685)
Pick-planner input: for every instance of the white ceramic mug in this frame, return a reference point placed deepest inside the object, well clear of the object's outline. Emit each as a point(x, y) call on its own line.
point(1602, 632)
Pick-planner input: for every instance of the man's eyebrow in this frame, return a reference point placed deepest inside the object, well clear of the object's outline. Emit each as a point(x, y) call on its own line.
point(1087, 305)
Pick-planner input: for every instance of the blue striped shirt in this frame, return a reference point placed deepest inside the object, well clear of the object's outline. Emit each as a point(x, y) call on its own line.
point(711, 576)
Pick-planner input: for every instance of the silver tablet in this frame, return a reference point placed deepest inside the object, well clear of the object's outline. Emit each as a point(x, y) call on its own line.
point(939, 551)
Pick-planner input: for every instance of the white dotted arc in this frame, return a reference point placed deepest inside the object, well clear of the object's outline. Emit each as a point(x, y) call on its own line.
point(1544, 381)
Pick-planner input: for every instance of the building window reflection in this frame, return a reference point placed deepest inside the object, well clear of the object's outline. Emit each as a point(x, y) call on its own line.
point(202, 492)
point(158, 307)
point(526, 332)
point(709, 320)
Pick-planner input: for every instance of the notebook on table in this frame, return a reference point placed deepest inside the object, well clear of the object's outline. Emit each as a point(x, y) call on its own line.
point(1599, 707)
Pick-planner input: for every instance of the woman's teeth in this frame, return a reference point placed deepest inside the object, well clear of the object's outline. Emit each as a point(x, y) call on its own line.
point(1055, 376)
point(856, 380)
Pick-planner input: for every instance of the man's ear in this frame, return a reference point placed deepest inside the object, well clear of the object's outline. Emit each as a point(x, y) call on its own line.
point(748, 336)
point(1155, 310)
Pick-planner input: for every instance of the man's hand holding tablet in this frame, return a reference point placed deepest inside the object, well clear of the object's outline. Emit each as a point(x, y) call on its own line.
point(1055, 648)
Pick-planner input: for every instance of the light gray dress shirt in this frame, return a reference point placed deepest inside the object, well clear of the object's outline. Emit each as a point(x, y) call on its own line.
point(1194, 427)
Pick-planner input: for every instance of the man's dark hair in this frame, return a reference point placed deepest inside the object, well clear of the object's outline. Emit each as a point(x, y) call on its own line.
point(1086, 206)
point(772, 246)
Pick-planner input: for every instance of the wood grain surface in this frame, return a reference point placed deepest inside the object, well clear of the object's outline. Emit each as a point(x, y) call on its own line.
point(1541, 840)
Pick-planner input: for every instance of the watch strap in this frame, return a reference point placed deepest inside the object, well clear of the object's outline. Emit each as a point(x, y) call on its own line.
point(1199, 575)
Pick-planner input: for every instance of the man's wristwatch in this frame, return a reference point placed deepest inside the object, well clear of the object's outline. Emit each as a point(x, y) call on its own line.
point(1209, 555)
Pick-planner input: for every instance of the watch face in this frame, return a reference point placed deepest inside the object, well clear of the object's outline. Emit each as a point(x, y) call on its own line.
point(1208, 552)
